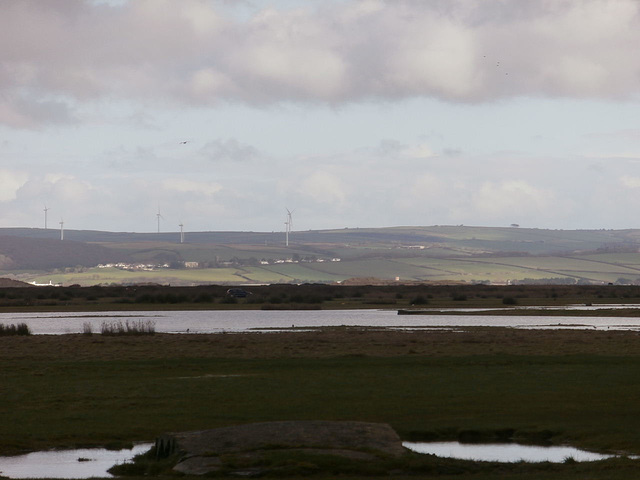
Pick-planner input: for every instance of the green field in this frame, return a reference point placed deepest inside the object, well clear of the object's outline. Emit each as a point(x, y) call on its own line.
point(450, 254)
point(573, 387)
point(603, 268)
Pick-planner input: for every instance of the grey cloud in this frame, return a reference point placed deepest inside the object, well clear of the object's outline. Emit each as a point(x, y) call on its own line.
point(195, 52)
point(27, 113)
point(230, 151)
point(452, 152)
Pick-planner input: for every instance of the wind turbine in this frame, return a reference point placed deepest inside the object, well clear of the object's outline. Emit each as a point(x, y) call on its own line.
point(61, 229)
point(159, 217)
point(288, 224)
point(45, 216)
point(286, 233)
point(181, 232)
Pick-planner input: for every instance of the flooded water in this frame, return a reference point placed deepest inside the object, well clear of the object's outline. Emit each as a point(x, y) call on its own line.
point(217, 321)
point(505, 452)
point(88, 463)
point(81, 463)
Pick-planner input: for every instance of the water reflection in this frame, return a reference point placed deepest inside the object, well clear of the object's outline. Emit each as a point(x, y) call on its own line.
point(505, 452)
point(80, 463)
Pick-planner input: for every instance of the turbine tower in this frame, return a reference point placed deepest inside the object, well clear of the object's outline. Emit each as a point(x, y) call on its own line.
point(181, 232)
point(61, 229)
point(286, 233)
point(45, 216)
point(288, 224)
point(159, 217)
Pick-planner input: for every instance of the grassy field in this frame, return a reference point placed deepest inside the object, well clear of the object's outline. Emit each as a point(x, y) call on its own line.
point(426, 254)
point(577, 387)
point(407, 266)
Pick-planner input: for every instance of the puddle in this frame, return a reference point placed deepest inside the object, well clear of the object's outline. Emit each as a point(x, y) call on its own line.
point(80, 463)
point(94, 462)
point(504, 452)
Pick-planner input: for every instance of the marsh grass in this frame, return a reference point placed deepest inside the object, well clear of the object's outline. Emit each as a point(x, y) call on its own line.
point(574, 387)
point(87, 329)
point(11, 330)
point(133, 327)
point(144, 464)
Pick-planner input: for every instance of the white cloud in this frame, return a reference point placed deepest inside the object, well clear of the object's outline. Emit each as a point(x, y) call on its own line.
point(324, 188)
point(72, 190)
point(418, 151)
point(512, 198)
point(181, 185)
point(10, 182)
point(630, 182)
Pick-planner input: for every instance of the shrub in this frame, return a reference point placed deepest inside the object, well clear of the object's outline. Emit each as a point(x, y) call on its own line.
point(204, 298)
point(509, 301)
point(419, 300)
point(19, 329)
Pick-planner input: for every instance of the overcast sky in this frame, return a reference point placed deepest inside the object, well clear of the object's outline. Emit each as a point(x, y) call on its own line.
point(352, 113)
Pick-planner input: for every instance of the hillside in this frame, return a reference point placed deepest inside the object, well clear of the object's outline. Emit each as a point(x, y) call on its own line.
point(477, 239)
point(21, 253)
point(440, 254)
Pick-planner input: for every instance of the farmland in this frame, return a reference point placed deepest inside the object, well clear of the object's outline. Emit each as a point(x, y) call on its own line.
point(400, 254)
point(597, 269)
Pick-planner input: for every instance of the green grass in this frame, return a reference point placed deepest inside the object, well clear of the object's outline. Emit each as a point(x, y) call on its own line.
point(197, 252)
point(585, 400)
point(453, 263)
point(297, 272)
point(93, 401)
point(106, 276)
point(91, 390)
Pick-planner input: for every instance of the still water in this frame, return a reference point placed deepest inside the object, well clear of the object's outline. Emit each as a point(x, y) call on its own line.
point(217, 321)
point(87, 463)
point(81, 463)
point(505, 452)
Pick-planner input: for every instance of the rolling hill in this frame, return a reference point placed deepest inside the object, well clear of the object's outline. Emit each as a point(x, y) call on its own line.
point(442, 254)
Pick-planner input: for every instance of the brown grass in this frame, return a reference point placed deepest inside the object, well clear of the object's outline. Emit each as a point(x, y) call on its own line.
point(325, 342)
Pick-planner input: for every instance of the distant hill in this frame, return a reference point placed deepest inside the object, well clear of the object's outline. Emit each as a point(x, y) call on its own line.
point(7, 282)
point(20, 253)
point(475, 239)
point(433, 254)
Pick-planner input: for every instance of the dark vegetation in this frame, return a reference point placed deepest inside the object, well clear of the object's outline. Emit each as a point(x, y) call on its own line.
point(13, 329)
point(312, 296)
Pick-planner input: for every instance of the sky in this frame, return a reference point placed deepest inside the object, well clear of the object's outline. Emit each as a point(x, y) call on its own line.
point(223, 114)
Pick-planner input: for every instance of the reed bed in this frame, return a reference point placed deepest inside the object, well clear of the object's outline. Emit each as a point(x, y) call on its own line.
point(134, 327)
point(19, 329)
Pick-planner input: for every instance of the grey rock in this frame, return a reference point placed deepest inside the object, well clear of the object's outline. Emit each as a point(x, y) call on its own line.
point(200, 451)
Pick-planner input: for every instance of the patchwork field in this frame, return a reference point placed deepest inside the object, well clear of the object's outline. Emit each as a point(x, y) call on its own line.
point(607, 268)
point(452, 254)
